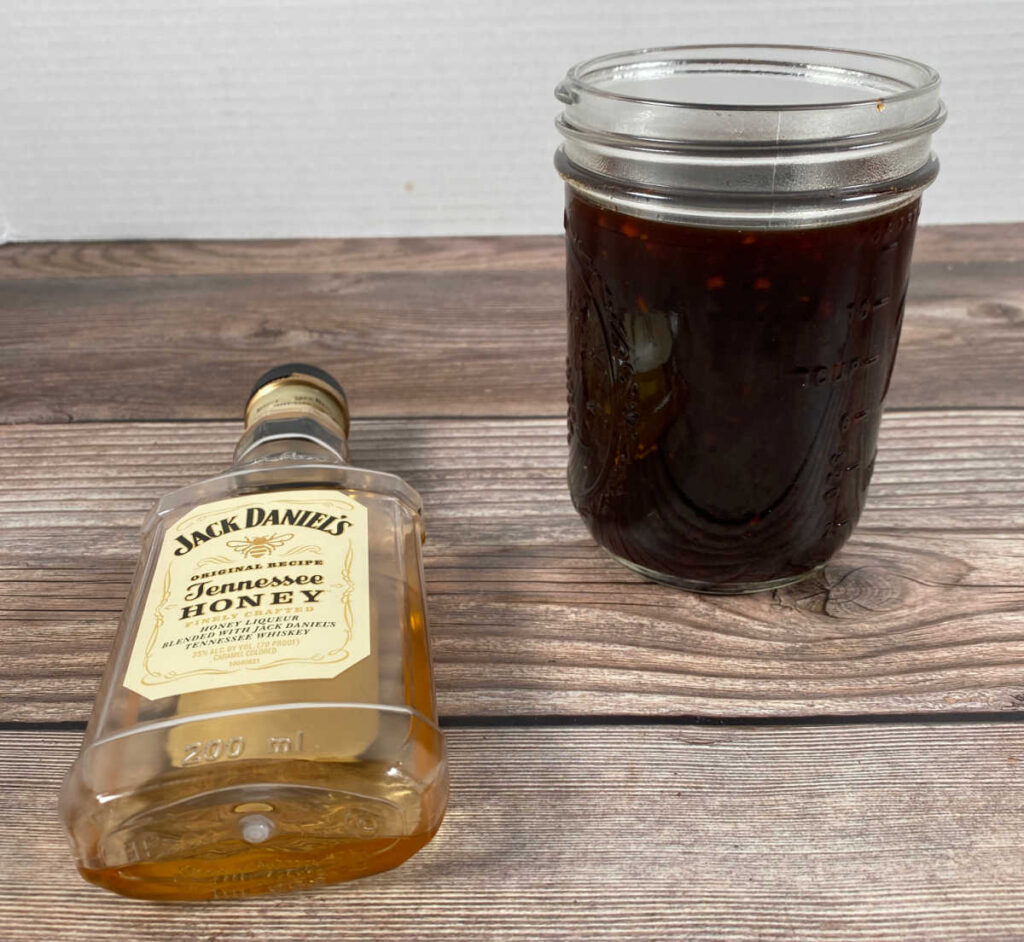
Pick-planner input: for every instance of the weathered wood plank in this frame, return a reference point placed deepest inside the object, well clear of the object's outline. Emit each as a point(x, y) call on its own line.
point(959, 470)
point(617, 833)
point(411, 327)
point(435, 343)
point(924, 610)
point(42, 260)
point(45, 260)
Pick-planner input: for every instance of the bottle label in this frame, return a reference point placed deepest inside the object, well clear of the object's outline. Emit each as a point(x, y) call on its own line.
point(254, 589)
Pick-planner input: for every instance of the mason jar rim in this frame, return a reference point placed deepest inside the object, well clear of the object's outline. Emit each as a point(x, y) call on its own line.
point(812, 135)
point(578, 76)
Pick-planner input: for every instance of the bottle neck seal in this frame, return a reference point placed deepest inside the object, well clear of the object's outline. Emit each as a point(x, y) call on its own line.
point(295, 416)
point(298, 397)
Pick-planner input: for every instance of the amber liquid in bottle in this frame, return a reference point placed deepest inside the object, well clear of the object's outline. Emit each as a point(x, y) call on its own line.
point(286, 733)
point(726, 387)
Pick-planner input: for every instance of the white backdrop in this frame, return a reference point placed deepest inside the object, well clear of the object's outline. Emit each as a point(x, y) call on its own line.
point(280, 118)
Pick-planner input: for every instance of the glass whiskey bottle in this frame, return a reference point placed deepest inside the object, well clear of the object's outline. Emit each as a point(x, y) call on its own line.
point(266, 720)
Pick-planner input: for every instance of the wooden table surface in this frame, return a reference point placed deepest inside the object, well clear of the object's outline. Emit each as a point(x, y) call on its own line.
point(842, 759)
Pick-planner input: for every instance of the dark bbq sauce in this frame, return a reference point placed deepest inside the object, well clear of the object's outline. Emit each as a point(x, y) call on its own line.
point(725, 387)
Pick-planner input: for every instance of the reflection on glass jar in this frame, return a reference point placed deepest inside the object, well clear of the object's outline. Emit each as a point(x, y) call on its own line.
point(736, 281)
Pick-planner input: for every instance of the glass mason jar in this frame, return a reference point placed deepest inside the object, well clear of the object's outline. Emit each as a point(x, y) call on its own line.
point(739, 223)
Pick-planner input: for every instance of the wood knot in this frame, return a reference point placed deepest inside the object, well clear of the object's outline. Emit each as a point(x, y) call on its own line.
point(847, 593)
point(30, 410)
point(997, 311)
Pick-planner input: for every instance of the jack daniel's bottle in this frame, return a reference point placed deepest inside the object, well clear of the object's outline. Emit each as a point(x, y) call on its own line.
point(267, 716)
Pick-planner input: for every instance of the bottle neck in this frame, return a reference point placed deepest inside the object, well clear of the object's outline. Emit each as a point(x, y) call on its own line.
point(298, 438)
point(300, 418)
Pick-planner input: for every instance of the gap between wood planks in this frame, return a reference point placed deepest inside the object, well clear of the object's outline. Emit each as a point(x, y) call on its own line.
point(471, 418)
point(596, 720)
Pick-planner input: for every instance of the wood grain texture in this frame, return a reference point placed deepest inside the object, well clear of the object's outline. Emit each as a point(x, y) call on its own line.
point(923, 611)
point(43, 260)
point(616, 833)
point(412, 327)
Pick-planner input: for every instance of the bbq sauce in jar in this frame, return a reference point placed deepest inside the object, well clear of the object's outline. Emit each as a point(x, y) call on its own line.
point(725, 388)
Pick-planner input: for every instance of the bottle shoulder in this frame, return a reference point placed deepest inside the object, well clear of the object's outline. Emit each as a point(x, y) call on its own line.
point(284, 474)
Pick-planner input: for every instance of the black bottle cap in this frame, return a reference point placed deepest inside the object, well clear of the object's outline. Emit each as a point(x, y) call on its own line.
point(302, 369)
